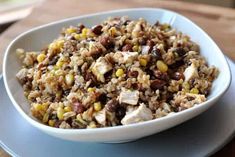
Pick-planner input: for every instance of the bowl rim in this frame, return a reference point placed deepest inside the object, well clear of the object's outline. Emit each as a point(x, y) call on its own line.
point(120, 127)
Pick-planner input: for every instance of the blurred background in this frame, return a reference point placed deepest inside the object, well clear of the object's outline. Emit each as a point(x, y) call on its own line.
point(223, 3)
point(13, 10)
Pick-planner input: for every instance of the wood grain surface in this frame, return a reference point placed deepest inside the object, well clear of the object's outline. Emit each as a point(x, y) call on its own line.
point(218, 22)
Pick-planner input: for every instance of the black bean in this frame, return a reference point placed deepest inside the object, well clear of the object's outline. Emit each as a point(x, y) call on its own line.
point(143, 40)
point(132, 74)
point(157, 84)
point(102, 98)
point(127, 47)
point(80, 28)
point(112, 105)
point(57, 123)
point(126, 22)
point(156, 53)
point(107, 42)
point(176, 64)
point(89, 76)
point(136, 86)
point(190, 98)
point(120, 112)
point(178, 76)
point(97, 29)
point(180, 51)
point(161, 75)
point(169, 96)
point(78, 107)
point(53, 60)
point(66, 92)
point(150, 43)
point(157, 23)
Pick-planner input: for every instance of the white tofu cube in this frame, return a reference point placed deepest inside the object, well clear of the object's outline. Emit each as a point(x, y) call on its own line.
point(142, 113)
point(129, 97)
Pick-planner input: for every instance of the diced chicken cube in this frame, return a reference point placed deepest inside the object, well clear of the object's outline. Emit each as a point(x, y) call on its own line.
point(142, 113)
point(129, 56)
point(101, 117)
point(190, 72)
point(145, 50)
point(101, 67)
point(22, 75)
point(125, 57)
point(129, 97)
point(95, 48)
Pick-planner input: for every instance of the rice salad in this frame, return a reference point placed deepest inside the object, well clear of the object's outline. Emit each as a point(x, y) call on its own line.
point(119, 72)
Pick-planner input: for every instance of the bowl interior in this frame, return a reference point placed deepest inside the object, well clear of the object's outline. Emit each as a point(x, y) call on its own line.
point(39, 38)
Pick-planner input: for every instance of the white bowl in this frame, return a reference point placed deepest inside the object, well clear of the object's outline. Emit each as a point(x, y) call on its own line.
point(38, 37)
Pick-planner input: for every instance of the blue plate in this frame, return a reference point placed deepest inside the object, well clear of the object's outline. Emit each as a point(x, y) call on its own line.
point(198, 137)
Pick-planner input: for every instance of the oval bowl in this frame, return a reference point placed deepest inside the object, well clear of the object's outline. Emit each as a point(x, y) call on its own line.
point(38, 37)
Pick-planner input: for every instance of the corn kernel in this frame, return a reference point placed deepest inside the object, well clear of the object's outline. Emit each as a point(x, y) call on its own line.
point(67, 109)
point(112, 31)
point(70, 30)
point(186, 85)
point(139, 48)
point(166, 26)
point(69, 79)
point(59, 63)
point(59, 43)
point(41, 57)
point(135, 48)
point(56, 45)
point(51, 122)
point(44, 106)
point(52, 46)
point(162, 66)
point(55, 67)
point(92, 125)
point(143, 62)
point(59, 72)
point(194, 91)
point(61, 105)
point(77, 36)
point(91, 89)
point(119, 72)
point(45, 118)
point(37, 107)
point(91, 35)
point(52, 72)
point(60, 113)
point(79, 119)
point(97, 106)
point(58, 94)
point(85, 30)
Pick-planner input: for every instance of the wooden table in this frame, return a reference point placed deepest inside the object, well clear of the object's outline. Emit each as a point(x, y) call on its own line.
point(218, 22)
